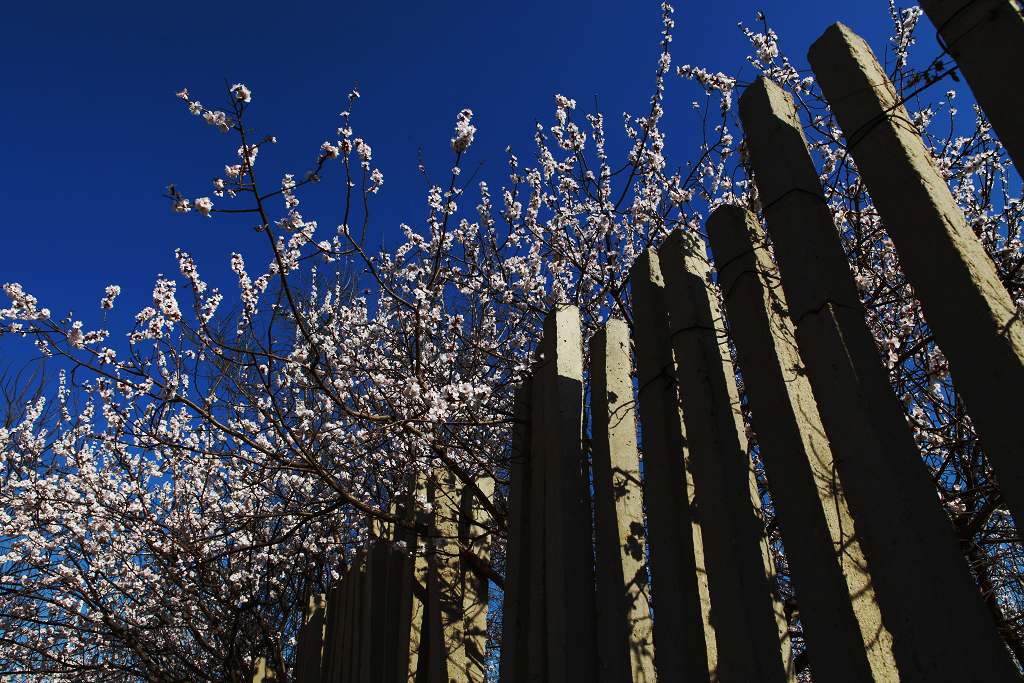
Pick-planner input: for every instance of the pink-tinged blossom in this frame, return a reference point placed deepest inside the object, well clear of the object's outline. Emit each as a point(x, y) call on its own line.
point(203, 205)
point(110, 293)
point(218, 119)
point(464, 131)
point(241, 93)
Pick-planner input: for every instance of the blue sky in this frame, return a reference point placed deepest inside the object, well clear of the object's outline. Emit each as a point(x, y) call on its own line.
point(94, 132)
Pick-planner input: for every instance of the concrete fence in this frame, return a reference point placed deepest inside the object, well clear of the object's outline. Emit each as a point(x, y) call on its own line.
point(638, 553)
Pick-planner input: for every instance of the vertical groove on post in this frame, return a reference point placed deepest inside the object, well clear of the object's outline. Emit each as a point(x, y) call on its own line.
point(750, 628)
point(569, 570)
point(624, 631)
point(515, 606)
point(986, 38)
point(929, 602)
point(475, 538)
point(843, 628)
point(974, 320)
point(684, 636)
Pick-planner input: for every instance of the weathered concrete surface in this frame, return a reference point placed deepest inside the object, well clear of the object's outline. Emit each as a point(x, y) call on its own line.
point(413, 515)
point(310, 641)
point(750, 628)
point(446, 496)
point(684, 635)
point(399, 606)
point(974, 320)
point(262, 673)
point(333, 646)
point(842, 626)
point(515, 606)
point(624, 630)
point(569, 564)
point(537, 635)
point(475, 539)
point(986, 37)
point(901, 524)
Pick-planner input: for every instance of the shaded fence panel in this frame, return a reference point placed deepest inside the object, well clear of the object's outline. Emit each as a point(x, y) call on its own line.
point(624, 635)
point(970, 312)
point(684, 636)
point(901, 522)
point(843, 628)
point(750, 627)
point(681, 588)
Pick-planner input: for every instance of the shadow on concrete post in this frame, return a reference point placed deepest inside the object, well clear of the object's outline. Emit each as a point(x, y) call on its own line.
point(514, 658)
point(928, 599)
point(684, 636)
point(475, 539)
point(536, 601)
point(973, 317)
point(986, 38)
point(841, 622)
point(446, 496)
point(569, 562)
point(751, 632)
point(624, 630)
point(310, 641)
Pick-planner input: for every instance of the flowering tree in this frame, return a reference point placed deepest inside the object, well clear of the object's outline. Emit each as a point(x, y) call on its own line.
point(170, 502)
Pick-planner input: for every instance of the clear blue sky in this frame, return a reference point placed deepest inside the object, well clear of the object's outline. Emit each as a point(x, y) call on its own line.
point(94, 132)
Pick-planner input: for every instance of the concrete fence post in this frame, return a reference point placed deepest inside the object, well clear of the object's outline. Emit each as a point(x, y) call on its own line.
point(986, 38)
point(624, 630)
point(751, 631)
point(334, 622)
point(684, 636)
point(446, 497)
point(262, 673)
point(310, 641)
point(569, 564)
point(537, 634)
point(970, 312)
point(928, 600)
point(475, 539)
point(843, 629)
point(515, 606)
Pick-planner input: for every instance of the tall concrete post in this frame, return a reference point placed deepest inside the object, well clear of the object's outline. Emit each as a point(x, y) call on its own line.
point(750, 628)
point(537, 629)
point(684, 635)
point(986, 38)
point(842, 625)
point(971, 314)
point(262, 673)
point(903, 527)
point(624, 630)
point(310, 641)
point(333, 632)
point(422, 609)
point(446, 498)
point(475, 539)
point(569, 570)
point(515, 606)
point(399, 614)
